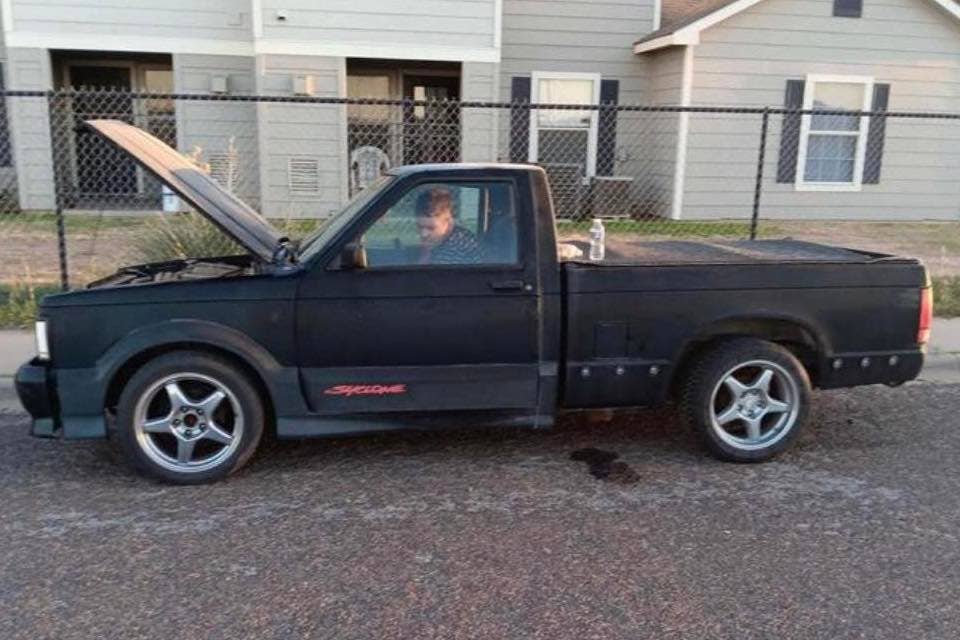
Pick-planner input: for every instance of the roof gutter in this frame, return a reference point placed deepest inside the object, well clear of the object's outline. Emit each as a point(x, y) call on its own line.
point(681, 38)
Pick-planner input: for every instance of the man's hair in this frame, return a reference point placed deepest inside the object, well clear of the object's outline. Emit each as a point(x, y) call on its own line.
point(433, 200)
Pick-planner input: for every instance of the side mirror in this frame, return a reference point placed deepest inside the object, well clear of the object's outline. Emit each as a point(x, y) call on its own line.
point(353, 256)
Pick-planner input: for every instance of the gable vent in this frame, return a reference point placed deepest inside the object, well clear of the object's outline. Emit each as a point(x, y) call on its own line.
point(303, 175)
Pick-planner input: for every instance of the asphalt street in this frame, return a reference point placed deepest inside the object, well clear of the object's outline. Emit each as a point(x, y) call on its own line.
point(500, 534)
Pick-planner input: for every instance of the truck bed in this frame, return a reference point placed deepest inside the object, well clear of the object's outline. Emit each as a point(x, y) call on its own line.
point(630, 318)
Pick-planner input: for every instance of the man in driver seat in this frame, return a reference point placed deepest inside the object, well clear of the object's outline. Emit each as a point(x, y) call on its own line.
point(442, 241)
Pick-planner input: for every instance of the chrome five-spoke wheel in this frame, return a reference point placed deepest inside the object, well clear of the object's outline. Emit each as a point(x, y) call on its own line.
point(747, 398)
point(188, 422)
point(187, 417)
point(754, 404)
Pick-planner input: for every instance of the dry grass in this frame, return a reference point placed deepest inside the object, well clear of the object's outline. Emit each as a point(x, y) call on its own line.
point(946, 296)
point(19, 302)
point(937, 244)
point(98, 245)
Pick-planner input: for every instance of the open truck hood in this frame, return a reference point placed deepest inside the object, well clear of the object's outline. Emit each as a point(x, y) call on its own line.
point(218, 205)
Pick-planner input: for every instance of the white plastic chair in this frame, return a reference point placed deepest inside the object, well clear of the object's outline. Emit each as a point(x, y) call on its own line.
point(367, 163)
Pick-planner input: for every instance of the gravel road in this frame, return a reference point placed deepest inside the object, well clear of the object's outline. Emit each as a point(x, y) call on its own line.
point(500, 534)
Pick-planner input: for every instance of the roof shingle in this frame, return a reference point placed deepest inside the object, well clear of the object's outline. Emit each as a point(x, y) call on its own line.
point(675, 14)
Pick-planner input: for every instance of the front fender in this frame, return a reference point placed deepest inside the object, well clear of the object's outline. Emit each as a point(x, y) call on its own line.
point(185, 331)
point(83, 393)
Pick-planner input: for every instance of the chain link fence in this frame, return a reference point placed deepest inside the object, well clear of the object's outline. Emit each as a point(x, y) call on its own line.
point(73, 208)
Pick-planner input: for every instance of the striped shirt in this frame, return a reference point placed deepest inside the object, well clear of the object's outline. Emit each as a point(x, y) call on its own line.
point(459, 247)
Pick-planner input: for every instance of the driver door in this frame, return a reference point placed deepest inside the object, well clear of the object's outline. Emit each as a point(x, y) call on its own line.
point(401, 335)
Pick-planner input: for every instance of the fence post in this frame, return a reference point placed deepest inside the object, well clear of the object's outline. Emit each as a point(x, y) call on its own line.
point(758, 187)
point(62, 249)
point(58, 192)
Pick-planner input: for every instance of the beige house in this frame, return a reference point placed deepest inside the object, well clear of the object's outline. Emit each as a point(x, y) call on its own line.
point(897, 55)
point(297, 160)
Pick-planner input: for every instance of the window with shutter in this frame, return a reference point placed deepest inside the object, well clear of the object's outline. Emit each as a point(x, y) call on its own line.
point(832, 146)
point(565, 137)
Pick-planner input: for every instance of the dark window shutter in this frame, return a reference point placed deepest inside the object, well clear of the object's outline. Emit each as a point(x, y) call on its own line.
point(6, 157)
point(873, 157)
point(790, 133)
point(847, 8)
point(519, 120)
point(607, 127)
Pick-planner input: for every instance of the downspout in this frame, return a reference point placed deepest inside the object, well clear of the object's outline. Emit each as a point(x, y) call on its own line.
point(683, 129)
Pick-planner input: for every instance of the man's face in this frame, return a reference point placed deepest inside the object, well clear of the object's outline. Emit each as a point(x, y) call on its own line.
point(434, 228)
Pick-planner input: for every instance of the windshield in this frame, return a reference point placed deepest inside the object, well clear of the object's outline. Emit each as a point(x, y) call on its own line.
point(329, 228)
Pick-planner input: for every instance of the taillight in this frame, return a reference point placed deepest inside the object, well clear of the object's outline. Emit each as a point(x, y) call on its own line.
point(926, 315)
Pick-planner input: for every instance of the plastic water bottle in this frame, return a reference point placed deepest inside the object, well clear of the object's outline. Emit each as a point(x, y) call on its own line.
point(598, 236)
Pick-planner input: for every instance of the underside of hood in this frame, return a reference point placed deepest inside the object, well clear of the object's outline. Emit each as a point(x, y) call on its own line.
point(218, 205)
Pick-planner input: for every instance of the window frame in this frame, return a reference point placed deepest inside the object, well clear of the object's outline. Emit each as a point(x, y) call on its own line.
point(809, 87)
point(521, 237)
point(592, 132)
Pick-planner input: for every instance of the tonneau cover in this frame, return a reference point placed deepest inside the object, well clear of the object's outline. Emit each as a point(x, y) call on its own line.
point(626, 252)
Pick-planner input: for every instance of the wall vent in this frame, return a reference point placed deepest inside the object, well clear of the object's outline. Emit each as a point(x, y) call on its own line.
point(303, 175)
point(224, 168)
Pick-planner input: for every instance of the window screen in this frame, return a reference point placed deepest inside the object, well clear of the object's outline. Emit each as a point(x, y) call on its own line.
point(833, 140)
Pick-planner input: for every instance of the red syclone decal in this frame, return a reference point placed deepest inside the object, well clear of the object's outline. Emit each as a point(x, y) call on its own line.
point(366, 390)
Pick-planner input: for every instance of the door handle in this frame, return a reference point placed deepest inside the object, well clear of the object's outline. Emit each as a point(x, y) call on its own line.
point(509, 285)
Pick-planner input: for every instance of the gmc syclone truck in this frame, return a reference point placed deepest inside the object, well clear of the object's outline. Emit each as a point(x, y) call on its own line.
point(185, 364)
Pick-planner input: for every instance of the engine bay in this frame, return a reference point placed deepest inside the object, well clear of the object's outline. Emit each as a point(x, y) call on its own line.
point(181, 270)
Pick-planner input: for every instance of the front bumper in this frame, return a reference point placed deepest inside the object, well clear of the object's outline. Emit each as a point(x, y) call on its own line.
point(64, 403)
point(37, 391)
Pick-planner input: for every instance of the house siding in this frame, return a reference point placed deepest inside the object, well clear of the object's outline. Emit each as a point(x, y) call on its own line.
point(29, 118)
point(587, 36)
point(312, 131)
point(212, 125)
point(656, 159)
point(210, 19)
point(746, 61)
point(453, 24)
point(479, 82)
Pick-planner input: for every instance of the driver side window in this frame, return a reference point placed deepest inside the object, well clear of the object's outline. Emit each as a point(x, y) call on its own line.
point(446, 223)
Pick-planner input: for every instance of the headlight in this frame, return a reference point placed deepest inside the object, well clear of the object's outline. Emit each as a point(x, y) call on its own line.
point(40, 334)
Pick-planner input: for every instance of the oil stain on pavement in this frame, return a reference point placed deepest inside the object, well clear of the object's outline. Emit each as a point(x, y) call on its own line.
point(604, 465)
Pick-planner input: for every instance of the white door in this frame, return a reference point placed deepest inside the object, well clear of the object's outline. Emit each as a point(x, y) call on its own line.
point(565, 137)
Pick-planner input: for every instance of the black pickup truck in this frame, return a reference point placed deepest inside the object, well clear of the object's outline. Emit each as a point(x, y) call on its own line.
point(437, 297)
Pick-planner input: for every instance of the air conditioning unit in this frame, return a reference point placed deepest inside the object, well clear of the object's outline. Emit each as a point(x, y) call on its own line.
point(609, 196)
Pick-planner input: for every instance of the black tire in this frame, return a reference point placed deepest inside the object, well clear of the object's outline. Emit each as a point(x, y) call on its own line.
point(197, 375)
point(723, 414)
